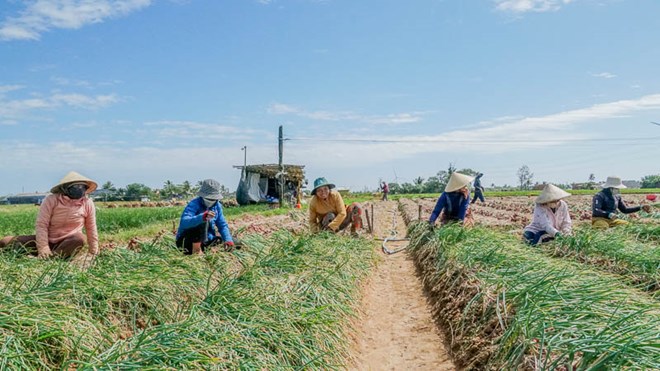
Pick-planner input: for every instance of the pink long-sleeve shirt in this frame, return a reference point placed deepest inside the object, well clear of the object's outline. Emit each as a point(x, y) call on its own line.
point(545, 220)
point(61, 217)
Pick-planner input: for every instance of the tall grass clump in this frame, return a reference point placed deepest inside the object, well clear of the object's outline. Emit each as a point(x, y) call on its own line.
point(643, 232)
point(628, 251)
point(17, 220)
point(120, 224)
point(282, 302)
point(507, 306)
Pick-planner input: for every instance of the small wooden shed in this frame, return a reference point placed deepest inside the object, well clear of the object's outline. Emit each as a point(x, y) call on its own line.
point(260, 183)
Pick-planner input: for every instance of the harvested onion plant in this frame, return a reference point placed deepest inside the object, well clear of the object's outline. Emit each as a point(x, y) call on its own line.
point(507, 306)
point(277, 303)
point(631, 251)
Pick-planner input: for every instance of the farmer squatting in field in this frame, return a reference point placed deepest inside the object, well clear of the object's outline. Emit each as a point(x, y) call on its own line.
point(452, 206)
point(328, 212)
point(196, 227)
point(62, 216)
point(606, 202)
point(551, 217)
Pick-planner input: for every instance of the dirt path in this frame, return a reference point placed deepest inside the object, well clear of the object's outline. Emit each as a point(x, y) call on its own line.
point(395, 330)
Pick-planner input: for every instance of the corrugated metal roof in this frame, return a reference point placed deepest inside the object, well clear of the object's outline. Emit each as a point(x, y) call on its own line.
point(37, 194)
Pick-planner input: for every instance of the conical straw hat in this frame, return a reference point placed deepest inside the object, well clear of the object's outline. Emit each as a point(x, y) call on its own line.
point(614, 182)
point(551, 193)
point(73, 177)
point(457, 181)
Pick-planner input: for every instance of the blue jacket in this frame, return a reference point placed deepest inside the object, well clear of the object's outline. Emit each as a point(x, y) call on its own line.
point(192, 217)
point(477, 184)
point(454, 204)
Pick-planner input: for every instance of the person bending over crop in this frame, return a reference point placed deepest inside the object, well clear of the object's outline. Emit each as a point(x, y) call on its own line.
point(478, 189)
point(452, 206)
point(196, 228)
point(328, 212)
point(62, 216)
point(551, 217)
point(606, 202)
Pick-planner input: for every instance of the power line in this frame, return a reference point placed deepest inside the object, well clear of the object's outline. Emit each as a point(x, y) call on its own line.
point(547, 141)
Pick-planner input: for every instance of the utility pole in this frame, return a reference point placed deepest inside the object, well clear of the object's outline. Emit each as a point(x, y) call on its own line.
point(244, 157)
point(281, 150)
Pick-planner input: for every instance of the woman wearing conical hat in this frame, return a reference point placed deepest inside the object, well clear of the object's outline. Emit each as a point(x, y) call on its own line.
point(62, 216)
point(454, 201)
point(606, 202)
point(551, 217)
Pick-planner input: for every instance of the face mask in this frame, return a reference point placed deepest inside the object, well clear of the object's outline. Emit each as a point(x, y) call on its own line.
point(616, 191)
point(76, 191)
point(209, 202)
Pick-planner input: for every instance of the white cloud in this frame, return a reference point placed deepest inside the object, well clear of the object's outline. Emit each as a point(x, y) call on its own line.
point(524, 6)
point(83, 101)
point(69, 82)
point(501, 135)
point(349, 163)
point(13, 109)
point(200, 130)
point(8, 88)
point(40, 16)
point(604, 75)
point(390, 119)
point(281, 109)
point(123, 164)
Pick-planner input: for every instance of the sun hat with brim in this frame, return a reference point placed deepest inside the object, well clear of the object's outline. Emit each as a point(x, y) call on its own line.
point(458, 181)
point(73, 177)
point(551, 193)
point(614, 182)
point(210, 189)
point(321, 182)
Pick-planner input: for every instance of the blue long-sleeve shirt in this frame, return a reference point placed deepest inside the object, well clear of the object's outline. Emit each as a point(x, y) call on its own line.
point(192, 217)
point(477, 184)
point(454, 204)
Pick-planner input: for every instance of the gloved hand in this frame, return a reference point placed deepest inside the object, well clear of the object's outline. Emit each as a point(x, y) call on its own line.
point(229, 246)
point(44, 254)
point(329, 229)
point(612, 216)
point(558, 235)
point(646, 208)
point(208, 215)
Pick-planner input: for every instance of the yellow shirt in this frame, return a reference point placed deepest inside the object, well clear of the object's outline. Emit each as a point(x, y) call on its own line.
point(319, 208)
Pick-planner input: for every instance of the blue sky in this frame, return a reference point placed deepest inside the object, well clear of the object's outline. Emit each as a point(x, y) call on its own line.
point(141, 91)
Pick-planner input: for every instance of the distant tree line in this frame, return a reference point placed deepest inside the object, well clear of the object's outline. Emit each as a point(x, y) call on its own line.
point(138, 191)
point(437, 183)
point(434, 184)
point(651, 181)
